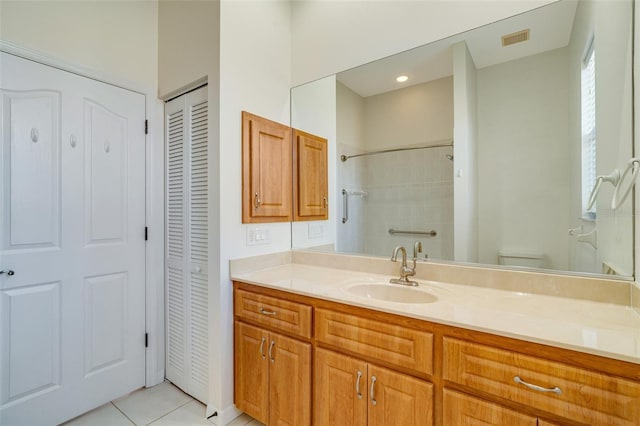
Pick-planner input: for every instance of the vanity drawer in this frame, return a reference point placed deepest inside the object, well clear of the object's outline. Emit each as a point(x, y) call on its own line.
point(584, 396)
point(278, 314)
point(391, 344)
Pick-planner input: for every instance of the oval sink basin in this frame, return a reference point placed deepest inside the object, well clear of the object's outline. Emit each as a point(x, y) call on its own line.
point(391, 293)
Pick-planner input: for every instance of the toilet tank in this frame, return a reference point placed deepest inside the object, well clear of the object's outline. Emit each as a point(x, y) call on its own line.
point(529, 259)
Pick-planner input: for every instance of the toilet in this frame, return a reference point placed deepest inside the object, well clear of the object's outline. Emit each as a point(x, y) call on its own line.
point(529, 259)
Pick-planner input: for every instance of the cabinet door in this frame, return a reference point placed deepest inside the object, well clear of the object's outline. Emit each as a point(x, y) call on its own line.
point(289, 381)
point(340, 390)
point(311, 195)
point(398, 399)
point(462, 410)
point(266, 170)
point(252, 371)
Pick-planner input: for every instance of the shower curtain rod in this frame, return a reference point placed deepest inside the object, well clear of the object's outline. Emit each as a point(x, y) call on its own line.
point(344, 158)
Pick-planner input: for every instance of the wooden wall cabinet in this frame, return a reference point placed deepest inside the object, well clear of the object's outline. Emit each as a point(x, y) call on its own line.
point(266, 170)
point(310, 177)
point(283, 179)
point(272, 376)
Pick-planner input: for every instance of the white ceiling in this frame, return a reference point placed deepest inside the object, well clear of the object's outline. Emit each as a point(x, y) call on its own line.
point(550, 27)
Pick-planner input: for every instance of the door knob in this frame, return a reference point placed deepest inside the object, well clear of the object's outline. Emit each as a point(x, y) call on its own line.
point(10, 273)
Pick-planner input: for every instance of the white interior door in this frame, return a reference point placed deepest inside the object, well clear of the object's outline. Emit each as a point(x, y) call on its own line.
point(72, 231)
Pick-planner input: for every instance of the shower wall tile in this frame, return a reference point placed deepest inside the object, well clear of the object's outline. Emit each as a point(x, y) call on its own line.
point(409, 190)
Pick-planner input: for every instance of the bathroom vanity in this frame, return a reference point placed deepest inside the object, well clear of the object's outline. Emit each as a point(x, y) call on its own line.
point(319, 345)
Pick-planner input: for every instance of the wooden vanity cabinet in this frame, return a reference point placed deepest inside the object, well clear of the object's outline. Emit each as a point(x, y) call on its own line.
point(569, 392)
point(461, 409)
point(266, 170)
point(310, 177)
point(272, 376)
point(425, 373)
point(351, 392)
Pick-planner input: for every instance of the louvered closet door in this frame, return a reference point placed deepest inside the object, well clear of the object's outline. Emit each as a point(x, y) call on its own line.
point(187, 242)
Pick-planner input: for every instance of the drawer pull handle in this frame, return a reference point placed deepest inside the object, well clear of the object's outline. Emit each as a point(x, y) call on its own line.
point(262, 348)
point(555, 390)
point(358, 393)
point(263, 311)
point(273, 342)
point(373, 390)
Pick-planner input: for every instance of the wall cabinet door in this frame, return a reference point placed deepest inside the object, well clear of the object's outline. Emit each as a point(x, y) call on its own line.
point(351, 392)
point(461, 409)
point(310, 181)
point(340, 390)
point(272, 376)
point(398, 399)
point(252, 371)
point(266, 170)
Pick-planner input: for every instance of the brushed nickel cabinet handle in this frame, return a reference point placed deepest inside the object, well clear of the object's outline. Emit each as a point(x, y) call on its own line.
point(273, 343)
point(358, 393)
point(263, 311)
point(262, 348)
point(555, 390)
point(257, 201)
point(373, 390)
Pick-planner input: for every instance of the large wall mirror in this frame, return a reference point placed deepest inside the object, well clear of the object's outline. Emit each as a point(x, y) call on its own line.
point(499, 146)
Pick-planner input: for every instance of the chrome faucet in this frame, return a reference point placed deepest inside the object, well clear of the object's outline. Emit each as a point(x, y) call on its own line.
point(405, 271)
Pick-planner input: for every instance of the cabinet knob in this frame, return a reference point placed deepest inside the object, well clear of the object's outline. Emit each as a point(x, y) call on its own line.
point(326, 202)
point(257, 201)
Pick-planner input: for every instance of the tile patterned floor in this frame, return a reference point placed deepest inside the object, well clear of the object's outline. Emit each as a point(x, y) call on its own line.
point(161, 405)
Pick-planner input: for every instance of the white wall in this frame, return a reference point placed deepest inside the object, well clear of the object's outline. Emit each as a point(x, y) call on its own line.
point(349, 174)
point(255, 75)
point(332, 36)
point(613, 41)
point(419, 114)
point(119, 39)
point(523, 158)
point(465, 152)
point(636, 66)
point(350, 119)
point(188, 45)
point(313, 110)
point(609, 22)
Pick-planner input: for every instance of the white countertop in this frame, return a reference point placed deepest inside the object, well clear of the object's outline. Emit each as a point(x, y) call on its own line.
point(602, 329)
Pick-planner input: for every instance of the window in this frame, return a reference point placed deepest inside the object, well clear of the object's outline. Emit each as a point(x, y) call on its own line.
point(588, 130)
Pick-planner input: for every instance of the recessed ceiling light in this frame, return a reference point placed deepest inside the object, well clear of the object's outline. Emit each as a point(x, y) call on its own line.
point(402, 78)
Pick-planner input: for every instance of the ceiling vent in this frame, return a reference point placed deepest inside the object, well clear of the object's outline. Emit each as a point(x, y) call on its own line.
point(519, 37)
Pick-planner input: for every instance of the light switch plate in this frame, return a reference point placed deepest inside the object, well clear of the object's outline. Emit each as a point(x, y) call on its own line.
point(316, 230)
point(258, 236)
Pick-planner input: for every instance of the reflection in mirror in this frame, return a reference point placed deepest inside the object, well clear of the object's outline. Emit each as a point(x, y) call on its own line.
point(489, 148)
